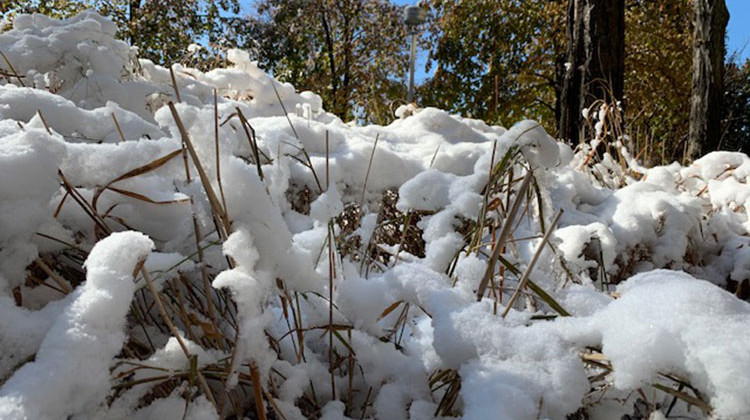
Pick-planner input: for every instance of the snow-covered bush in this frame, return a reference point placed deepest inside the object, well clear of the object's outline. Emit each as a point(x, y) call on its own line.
point(221, 246)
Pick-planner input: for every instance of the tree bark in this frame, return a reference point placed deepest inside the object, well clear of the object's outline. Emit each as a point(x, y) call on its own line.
point(134, 7)
point(596, 61)
point(331, 58)
point(710, 19)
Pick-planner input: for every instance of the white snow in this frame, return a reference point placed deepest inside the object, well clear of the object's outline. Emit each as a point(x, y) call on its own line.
point(70, 373)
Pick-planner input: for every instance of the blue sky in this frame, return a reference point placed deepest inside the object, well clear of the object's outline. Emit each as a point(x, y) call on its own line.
point(738, 30)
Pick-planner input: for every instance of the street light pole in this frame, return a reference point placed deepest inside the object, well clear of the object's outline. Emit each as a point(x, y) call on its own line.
point(412, 58)
point(413, 17)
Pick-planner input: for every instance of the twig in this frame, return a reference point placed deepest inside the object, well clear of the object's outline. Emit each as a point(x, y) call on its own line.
point(369, 166)
point(54, 276)
point(218, 211)
point(175, 332)
point(117, 124)
point(503, 235)
point(524, 279)
point(174, 84)
point(10, 66)
point(44, 121)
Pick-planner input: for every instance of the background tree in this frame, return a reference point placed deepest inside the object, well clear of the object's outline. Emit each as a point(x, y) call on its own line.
point(498, 60)
point(161, 29)
point(735, 134)
point(657, 77)
point(709, 28)
point(54, 8)
point(351, 52)
point(595, 65)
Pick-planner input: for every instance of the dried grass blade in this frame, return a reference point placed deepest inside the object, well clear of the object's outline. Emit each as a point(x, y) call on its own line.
point(155, 164)
point(216, 143)
point(135, 172)
point(252, 140)
point(369, 166)
point(392, 307)
point(524, 279)
point(175, 332)
point(64, 285)
point(705, 407)
point(503, 235)
point(216, 207)
point(174, 84)
point(260, 407)
point(13, 70)
point(142, 197)
point(119, 129)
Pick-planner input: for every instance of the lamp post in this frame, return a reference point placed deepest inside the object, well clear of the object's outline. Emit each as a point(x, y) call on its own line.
point(413, 17)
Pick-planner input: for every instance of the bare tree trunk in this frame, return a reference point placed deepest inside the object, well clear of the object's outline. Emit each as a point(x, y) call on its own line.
point(134, 7)
point(710, 19)
point(331, 58)
point(596, 60)
point(575, 68)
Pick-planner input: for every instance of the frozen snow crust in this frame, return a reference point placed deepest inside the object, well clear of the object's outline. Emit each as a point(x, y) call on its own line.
point(640, 259)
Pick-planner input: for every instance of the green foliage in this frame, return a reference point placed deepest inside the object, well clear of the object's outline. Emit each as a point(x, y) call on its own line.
point(161, 29)
point(498, 60)
point(503, 60)
point(736, 131)
point(351, 52)
point(58, 9)
point(658, 77)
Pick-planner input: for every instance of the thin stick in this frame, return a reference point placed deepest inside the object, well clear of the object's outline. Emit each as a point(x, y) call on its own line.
point(369, 166)
point(437, 149)
point(299, 326)
point(289, 120)
point(91, 212)
point(54, 276)
point(119, 129)
point(174, 84)
point(366, 403)
point(350, 394)
point(331, 274)
point(525, 277)
point(402, 241)
point(218, 211)
point(198, 239)
point(483, 213)
point(328, 173)
point(41, 117)
point(175, 332)
point(260, 407)
point(503, 235)
point(251, 139)
point(216, 142)
point(10, 66)
point(207, 289)
point(275, 406)
point(283, 108)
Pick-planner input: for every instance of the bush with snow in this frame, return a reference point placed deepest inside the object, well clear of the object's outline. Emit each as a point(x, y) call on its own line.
point(253, 253)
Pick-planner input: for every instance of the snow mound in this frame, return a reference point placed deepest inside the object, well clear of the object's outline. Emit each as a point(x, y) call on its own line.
point(70, 373)
point(668, 321)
